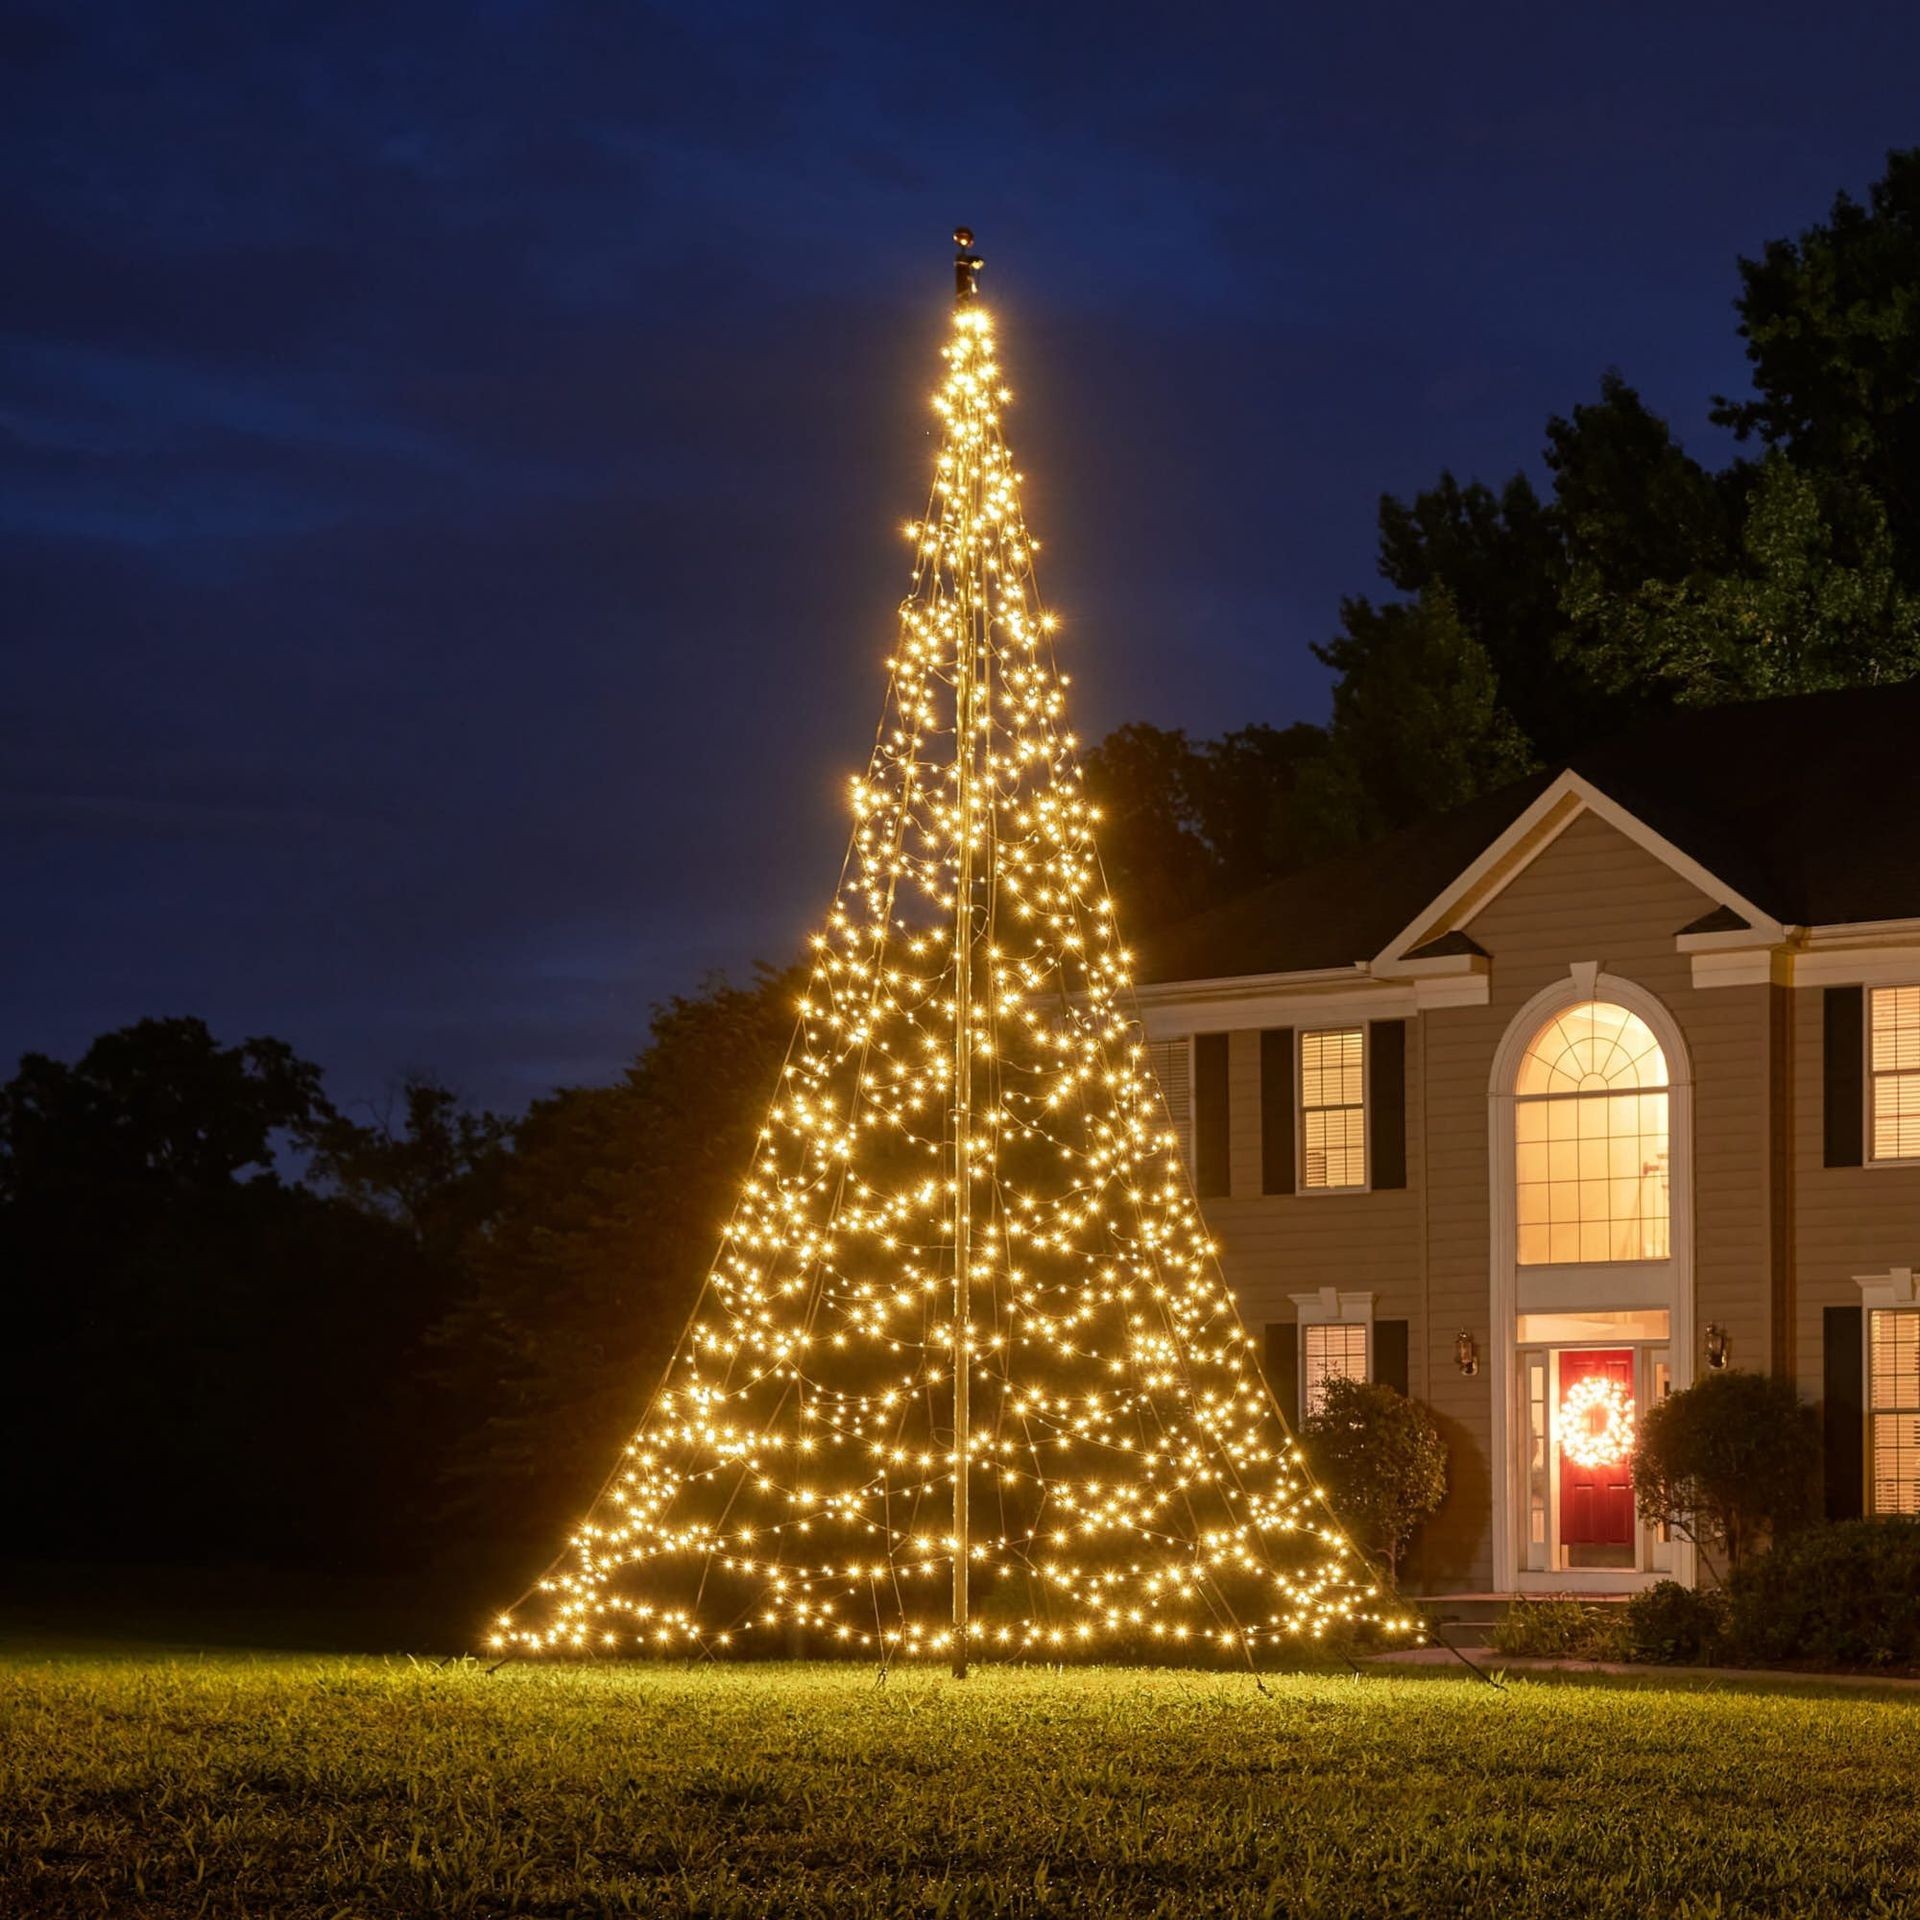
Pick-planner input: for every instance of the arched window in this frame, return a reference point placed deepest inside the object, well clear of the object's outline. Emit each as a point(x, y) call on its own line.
point(1590, 1131)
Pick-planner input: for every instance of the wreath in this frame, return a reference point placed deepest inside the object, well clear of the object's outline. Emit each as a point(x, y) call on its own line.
point(1596, 1422)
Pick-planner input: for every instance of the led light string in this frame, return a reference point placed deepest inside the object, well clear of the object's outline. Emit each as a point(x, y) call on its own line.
point(797, 1461)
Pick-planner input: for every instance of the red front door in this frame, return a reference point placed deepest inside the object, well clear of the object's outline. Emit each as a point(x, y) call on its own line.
point(1596, 1473)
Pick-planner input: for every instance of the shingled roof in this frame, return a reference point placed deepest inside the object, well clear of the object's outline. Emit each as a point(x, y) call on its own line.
point(1809, 807)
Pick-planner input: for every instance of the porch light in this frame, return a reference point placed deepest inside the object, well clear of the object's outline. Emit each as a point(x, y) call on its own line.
point(1719, 1345)
point(1466, 1353)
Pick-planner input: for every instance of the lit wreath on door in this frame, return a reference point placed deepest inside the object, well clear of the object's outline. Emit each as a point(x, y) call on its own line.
point(1596, 1422)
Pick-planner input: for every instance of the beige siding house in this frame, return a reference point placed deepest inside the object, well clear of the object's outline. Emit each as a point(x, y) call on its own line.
point(1542, 1109)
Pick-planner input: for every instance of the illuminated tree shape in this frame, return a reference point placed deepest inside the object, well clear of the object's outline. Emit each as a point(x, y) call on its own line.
point(966, 1094)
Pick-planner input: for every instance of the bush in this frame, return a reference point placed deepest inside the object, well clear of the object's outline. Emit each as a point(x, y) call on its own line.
point(1675, 1625)
point(1845, 1594)
point(1727, 1462)
point(1382, 1462)
point(1560, 1627)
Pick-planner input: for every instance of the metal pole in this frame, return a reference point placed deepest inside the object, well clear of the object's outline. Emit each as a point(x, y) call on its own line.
point(966, 659)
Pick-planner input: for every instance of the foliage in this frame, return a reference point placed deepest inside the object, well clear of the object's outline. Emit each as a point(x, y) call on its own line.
point(1382, 1461)
point(212, 1357)
point(1832, 326)
point(1727, 1461)
point(1417, 723)
point(1185, 824)
point(1528, 626)
point(156, 1107)
point(1845, 1593)
point(1559, 1627)
point(609, 1211)
point(1812, 602)
point(363, 1787)
point(436, 1169)
point(1673, 1624)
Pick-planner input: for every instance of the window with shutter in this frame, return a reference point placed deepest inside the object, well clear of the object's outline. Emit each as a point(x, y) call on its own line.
point(1333, 1113)
point(1331, 1350)
point(1893, 1408)
point(1893, 1072)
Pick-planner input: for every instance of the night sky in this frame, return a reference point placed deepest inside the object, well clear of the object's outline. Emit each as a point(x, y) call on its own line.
point(454, 455)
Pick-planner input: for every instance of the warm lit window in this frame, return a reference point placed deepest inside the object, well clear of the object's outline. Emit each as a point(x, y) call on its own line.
point(1331, 1350)
point(1590, 1131)
point(1172, 1064)
point(1893, 1022)
point(1333, 1113)
point(1893, 1407)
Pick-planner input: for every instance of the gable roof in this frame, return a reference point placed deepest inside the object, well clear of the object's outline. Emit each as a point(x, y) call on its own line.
point(1807, 808)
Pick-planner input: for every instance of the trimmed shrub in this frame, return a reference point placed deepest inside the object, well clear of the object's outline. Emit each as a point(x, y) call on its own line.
point(1845, 1594)
point(1560, 1627)
point(1382, 1462)
point(1728, 1462)
point(1675, 1625)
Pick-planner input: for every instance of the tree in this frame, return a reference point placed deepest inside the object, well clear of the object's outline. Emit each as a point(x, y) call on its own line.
point(1727, 1461)
point(607, 1207)
point(1832, 326)
point(435, 1167)
point(1814, 601)
point(1417, 723)
point(963, 1374)
point(1382, 1461)
point(1185, 824)
point(1500, 559)
point(206, 1359)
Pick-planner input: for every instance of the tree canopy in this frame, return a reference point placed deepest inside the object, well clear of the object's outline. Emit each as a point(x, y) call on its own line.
point(1523, 625)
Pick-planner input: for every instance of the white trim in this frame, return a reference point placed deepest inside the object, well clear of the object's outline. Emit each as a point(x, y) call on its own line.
point(1507, 1280)
point(1892, 965)
point(1394, 1000)
point(1564, 801)
point(1894, 1288)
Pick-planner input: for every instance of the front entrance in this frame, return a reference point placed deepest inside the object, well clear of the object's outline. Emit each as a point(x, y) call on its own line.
point(1579, 1413)
point(1596, 1472)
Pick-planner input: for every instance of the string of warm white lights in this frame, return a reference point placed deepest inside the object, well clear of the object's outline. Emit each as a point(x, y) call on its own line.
point(965, 1073)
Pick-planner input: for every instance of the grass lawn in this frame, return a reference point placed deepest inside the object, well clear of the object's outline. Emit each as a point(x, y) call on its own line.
point(229, 1784)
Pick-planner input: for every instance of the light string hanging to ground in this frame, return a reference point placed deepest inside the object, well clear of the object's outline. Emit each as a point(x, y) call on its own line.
point(964, 1376)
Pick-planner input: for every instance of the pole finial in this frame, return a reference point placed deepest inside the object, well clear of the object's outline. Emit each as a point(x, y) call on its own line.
point(966, 268)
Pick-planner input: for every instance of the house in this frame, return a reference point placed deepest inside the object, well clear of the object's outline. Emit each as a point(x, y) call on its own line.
point(1541, 1108)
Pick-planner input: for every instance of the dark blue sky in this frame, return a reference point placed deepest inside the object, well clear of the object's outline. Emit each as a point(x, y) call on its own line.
point(454, 454)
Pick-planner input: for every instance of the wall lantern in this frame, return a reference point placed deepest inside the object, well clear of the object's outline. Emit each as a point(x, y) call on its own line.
point(1719, 1345)
point(1466, 1354)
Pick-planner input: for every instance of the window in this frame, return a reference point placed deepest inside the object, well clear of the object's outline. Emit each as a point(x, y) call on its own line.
point(1171, 1063)
point(1333, 1114)
point(1893, 1072)
point(1330, 1350)
point(1590, 1134)
point(1893, 1407)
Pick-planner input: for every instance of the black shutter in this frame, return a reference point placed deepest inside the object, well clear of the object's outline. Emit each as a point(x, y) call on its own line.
point(1390, 1354)
point(1276, 1110)
point(1842, 1417)
point(1842, 1077)
point(1387, 1103)
point(1212, 1141)
point(1283, 1367)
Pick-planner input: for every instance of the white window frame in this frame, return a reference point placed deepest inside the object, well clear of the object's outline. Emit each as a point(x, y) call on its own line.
point(1331, 1307)
point(1365, 1030)
point(1868, 1158)
point(1894, 1291)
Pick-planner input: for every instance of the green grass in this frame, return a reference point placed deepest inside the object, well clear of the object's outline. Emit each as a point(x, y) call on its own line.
point(230, 1785)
